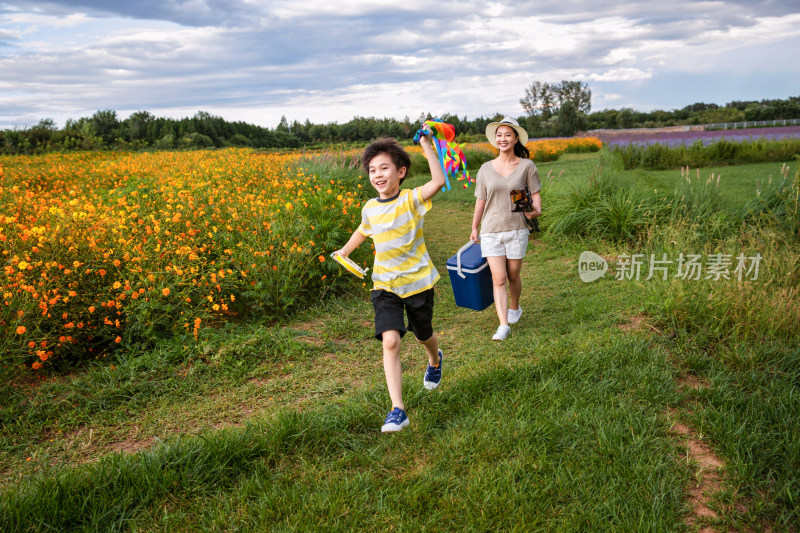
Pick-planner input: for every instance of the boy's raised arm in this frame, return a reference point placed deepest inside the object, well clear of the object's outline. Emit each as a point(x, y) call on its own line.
point(437, 174)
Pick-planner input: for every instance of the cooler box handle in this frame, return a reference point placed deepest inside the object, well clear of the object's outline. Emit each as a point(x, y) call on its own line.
point(458, 258)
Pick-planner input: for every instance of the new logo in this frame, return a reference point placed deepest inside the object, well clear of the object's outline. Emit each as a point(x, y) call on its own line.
point(591, 266)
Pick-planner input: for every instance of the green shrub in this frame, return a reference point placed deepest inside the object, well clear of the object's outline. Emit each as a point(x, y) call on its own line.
point(600, 208)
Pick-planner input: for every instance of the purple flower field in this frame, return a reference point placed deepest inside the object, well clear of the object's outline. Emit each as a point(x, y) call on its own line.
point(675, 137)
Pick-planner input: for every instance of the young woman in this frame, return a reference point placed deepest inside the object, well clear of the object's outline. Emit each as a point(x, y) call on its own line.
point(504, 234)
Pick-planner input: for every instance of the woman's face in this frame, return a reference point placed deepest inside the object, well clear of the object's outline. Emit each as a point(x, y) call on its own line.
point(506, 138)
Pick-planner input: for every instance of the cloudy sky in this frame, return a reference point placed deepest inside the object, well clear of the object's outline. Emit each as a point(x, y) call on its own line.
point(331, 60)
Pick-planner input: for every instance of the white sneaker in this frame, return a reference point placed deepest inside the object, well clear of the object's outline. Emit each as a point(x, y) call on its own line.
point(514, 314)
point(501, 333)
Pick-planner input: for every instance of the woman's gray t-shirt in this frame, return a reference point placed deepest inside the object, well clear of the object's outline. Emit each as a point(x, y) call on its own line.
point(496, 190)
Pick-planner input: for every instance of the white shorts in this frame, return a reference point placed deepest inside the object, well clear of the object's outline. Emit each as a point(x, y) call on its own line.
point(511, 244)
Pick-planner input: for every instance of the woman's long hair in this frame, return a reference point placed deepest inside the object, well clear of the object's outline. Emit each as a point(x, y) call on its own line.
point(520, 150)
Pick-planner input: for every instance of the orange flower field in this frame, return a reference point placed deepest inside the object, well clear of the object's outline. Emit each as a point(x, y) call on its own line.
point(108, 249)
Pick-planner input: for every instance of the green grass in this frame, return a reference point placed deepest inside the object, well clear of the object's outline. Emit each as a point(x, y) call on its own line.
point(565, 426)
point(719, 152)
point(738, 183)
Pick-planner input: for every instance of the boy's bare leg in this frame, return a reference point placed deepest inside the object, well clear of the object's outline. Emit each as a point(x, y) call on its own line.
point(513, 268)
point(432, 348)
point(392, 367)
point(497, 265)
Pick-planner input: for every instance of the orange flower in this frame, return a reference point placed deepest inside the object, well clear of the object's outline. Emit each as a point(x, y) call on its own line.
point(118, 339)
point(165, 291)
point(36, 365)
point(321, 258)
point(91, 309)
point(21, 330)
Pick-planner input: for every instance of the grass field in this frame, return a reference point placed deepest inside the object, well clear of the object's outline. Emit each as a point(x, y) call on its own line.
point(589, 417)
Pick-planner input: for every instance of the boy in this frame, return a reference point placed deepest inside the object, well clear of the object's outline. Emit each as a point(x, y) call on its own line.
point(403, 274)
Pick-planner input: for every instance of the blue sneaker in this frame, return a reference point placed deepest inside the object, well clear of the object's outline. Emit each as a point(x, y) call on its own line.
point(433, 374)
point(395, 420)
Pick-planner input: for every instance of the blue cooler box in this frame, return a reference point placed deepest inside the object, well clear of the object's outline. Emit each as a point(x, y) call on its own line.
point(471, 278)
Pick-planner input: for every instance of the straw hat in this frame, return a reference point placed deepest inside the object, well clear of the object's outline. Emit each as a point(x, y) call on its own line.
point(491, 130)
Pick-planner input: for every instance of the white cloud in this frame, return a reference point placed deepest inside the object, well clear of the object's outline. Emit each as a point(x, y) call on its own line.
point(618, 74)
point(329, 61)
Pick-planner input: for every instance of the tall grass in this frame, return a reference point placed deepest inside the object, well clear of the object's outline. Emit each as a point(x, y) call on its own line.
point(741, 338)
point(777, 205)
point(698, 154)
point(600, 208)
point(767, 227)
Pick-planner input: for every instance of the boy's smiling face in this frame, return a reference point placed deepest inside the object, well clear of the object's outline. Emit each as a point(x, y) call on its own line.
point(385, 176)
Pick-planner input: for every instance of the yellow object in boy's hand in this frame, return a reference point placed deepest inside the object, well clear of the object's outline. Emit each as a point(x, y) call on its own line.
point(349, 265)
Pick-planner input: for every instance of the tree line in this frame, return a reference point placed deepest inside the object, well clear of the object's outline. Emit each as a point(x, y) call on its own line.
point(142, 130)
point(551, 110)
point(562, 109)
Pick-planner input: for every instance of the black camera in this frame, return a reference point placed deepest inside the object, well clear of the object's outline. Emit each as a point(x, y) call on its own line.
point(523, 203)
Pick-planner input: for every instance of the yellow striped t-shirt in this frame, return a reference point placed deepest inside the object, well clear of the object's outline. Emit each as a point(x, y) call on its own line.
point(402, 264)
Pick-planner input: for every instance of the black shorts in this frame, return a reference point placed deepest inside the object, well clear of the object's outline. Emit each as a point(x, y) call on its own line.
point(389, 313)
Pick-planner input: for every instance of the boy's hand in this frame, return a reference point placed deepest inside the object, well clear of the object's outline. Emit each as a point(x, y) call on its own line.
point(422, 132)
point(425, 142)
